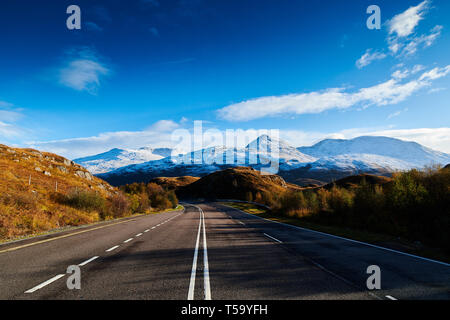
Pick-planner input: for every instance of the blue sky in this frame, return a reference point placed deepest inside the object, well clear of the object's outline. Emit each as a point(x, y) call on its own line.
point(139, 69)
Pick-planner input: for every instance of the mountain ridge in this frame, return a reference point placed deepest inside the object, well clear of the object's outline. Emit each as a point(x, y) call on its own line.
point(325, 161)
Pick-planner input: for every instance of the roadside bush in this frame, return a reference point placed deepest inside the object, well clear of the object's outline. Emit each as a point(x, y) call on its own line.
point(82, 200)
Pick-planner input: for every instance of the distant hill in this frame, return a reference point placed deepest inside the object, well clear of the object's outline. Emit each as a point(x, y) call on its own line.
point(235, 183)
point(30, 184)
point(172, 183)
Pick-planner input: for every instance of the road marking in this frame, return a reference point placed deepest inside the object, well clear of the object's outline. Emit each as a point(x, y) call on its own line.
point(147, 230)
point(126, 241)
point(64, 236)
point(153, 228)
point(206, 283)
point(242, 223)
point(391, 298)
point(87, 261)
point(272, 238)
point(139, 234)
point(111, 249)
point(346, 239)
point(194, 263)
point(43, 284)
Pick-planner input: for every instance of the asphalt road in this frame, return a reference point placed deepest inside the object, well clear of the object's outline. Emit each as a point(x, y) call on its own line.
point(213, 252)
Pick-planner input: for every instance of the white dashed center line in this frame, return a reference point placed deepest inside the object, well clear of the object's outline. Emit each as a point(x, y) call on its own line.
point(111, 249)
point(126, 241)
point(391, 298)
point(139, 234)
point(87, 261)
point(43, 284)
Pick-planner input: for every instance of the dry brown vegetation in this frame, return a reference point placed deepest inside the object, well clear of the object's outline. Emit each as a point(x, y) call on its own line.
point(41, 191)
point(240, 183)
point(413, 205)
point(172, 183)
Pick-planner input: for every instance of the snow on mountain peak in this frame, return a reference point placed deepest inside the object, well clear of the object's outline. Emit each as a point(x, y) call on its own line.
point(412, 153)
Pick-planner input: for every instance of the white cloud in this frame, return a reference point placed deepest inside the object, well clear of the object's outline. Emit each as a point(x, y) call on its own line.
point(9, 116)
point(410, 46)
point(92, 26)
point(8, 130)
point(403, 24)
point(154, 31)
point(396, 114)
point(368, 58)
point(4, 104)
point(157, 135)
point(392, 91)
point(402, 39)
point(83, 72)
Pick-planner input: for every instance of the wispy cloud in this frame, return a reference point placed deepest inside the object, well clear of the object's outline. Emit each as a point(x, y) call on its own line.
point(402, 39)
point(83, 70)
point(396, 114)
point(157, 135)
point(9, 116)
point(390, 92)
point(154, 31)
point(404, 24)
point(92, 26)
point(153, 3)
point(368, 58)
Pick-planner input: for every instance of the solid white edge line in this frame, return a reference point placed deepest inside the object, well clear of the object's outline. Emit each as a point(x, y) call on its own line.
point(128, 240)
point(391, 298)
point(111, 249)
point(206, 283)
point(272, 238)
point(87, 261)
point(341, 238)
point(194, 263)
point(43, 284)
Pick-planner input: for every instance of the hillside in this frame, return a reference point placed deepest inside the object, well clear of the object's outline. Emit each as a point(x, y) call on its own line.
point(240, 183)
point(172, 183)
point(38, 191)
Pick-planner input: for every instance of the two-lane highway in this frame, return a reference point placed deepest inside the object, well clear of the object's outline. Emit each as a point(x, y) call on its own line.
point(211, 251)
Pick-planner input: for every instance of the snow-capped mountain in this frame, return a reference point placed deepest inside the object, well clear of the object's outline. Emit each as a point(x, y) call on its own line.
point(382, 151)
point(117, 158)
point(326, 160)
